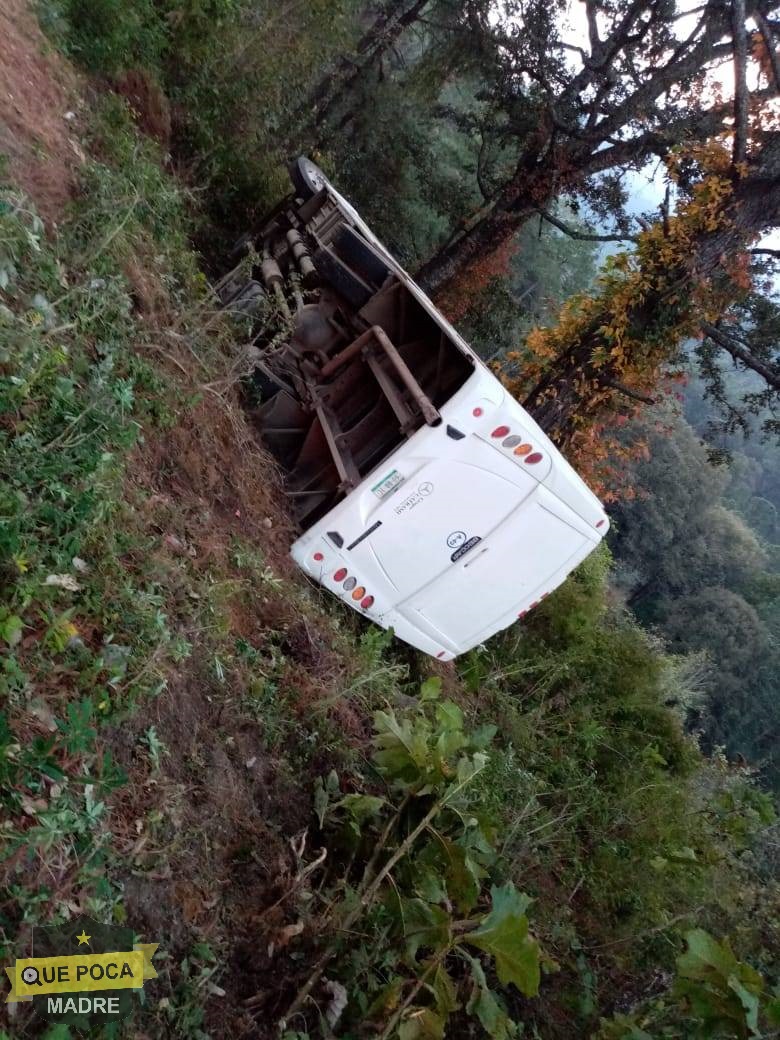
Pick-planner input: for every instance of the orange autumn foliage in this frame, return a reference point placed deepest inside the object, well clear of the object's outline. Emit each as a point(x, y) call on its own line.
point(612, 350)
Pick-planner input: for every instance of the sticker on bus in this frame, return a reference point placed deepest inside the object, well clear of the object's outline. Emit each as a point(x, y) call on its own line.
point(388, 484)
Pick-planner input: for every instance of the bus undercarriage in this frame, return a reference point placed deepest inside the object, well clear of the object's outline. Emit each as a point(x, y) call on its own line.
point(356, 364)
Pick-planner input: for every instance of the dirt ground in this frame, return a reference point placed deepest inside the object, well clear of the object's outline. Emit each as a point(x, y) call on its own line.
point(208, 841)
point(39, 111)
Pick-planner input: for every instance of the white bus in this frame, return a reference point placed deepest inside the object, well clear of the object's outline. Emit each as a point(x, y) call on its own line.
point(428, 499)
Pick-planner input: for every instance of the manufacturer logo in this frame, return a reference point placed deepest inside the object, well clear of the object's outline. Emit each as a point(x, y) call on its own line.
point(82, 973)
point(423, 491)
point(456, 539)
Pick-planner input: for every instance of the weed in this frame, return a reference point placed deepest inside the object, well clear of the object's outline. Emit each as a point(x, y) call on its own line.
point(184, 1008)
point(378, 676)
point(714, 994)
point(155, 748)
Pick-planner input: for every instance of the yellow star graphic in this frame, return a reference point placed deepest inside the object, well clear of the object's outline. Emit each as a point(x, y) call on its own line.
point(83, 938)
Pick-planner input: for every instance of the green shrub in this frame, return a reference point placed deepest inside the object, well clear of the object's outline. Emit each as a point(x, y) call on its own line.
point(110, 36)
point(235, 72)
point(609, 814)
point(407, 869)
point(714, 995)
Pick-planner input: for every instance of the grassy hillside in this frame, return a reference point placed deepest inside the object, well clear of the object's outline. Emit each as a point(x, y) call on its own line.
point(197, 743)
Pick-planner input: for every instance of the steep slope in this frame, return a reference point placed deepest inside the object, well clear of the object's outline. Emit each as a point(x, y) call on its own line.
point(173, 691)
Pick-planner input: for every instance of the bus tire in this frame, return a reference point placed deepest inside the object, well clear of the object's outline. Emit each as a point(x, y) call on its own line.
point(308, 179)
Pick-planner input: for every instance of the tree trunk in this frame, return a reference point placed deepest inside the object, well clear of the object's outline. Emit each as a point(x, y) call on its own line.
point(482, 239)
point(516, 202)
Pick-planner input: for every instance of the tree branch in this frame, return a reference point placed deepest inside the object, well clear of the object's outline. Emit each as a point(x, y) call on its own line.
point(770, 373)
point(739, 150)
point(698, 125)
point(769, 43)
point(581, 235)
point(482, 185)
point(382, 36)
point(562, 45)
point(679, 66)
point(593, 29)
point(628, 392)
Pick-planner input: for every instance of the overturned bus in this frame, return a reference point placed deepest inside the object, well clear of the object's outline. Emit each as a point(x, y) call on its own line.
point(427, 498)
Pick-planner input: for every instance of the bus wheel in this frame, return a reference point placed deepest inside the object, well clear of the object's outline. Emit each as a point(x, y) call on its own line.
point(307, 177)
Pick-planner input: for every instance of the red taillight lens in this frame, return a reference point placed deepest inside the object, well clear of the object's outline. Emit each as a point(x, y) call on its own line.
point(601, 523)
point(359, 592)
point(319, 557)
point(340, 574)
point(500, 431)
point(522, 449)
point(477, 412)
point(534, 458)
point(367, 602)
